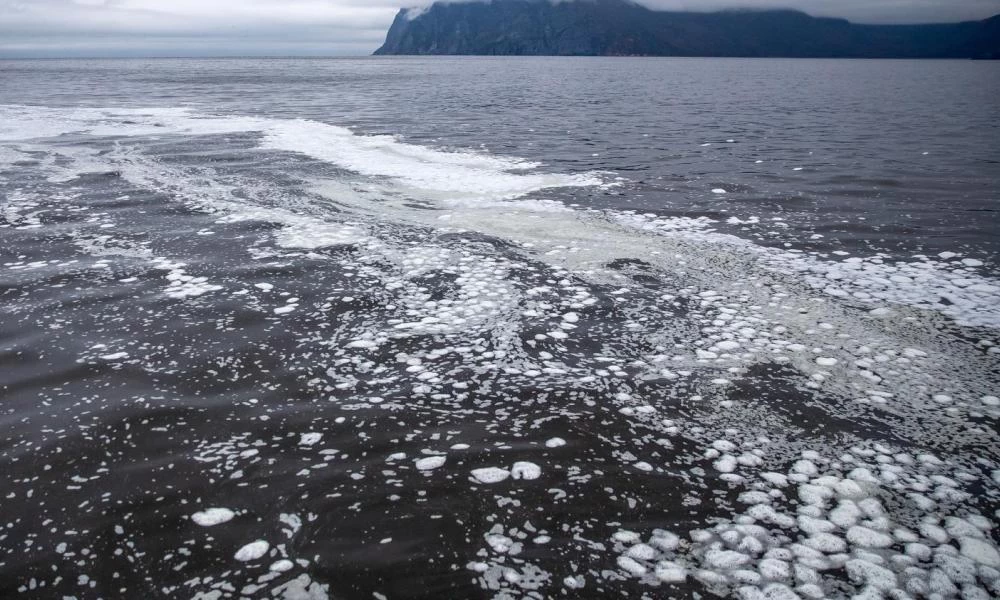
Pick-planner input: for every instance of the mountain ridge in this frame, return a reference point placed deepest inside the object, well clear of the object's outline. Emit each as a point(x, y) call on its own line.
point(624, 28)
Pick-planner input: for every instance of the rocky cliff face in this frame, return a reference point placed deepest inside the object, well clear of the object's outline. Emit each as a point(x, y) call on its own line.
point(623, 28)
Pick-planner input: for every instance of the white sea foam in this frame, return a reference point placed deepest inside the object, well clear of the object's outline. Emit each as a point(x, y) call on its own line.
point(468, 180)
point(22, 123)
point(950, 287)
point(525, 470)
point(747, 305)
point(434, 174)
point(309, 439)
point(212, 516)
point(462, 175)
point(252, 551)
point(429, 463)
point(490, 474)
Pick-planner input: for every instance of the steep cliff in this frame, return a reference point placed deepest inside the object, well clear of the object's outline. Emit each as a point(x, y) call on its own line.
point(623, 28)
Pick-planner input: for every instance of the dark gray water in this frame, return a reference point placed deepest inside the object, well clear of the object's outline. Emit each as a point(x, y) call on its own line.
point(408, 328)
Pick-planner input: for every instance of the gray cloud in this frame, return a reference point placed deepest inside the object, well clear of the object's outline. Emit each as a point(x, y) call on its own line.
point(861, 11)
point(321, 27)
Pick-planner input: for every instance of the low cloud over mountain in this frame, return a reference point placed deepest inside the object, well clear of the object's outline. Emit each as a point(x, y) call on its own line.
point(322, 27)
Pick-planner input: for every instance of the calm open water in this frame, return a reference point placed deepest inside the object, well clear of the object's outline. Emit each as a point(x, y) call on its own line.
point(499, 328)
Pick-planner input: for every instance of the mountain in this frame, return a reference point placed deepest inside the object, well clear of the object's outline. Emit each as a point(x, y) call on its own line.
point(623, 28)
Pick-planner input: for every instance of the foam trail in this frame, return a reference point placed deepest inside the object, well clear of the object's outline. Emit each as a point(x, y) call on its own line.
point(417, 171)
point(462, 175)
point(24, 123)
point(951, 287)
point(472, 185)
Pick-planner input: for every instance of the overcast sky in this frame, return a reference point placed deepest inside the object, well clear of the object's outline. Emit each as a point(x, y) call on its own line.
point(321, 27)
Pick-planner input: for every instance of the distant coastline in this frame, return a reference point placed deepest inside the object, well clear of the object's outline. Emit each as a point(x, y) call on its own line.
point(622, 28)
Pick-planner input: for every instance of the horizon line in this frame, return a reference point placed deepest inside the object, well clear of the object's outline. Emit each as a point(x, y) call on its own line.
point(454, 56)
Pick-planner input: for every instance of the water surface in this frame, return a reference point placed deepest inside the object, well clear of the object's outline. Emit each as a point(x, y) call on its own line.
point(511, 328)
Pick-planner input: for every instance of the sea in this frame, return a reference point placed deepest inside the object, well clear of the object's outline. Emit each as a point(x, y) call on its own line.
point(485, 327)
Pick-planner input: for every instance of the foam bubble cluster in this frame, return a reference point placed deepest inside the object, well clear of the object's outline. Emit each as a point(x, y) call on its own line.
point(248, 377)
